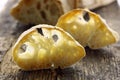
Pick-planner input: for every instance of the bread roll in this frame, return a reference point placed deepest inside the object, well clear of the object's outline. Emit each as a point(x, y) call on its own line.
point(45, 46)
point(40, 11)
point(88, 28)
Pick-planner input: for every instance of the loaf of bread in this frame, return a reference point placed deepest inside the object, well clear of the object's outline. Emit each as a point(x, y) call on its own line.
point(45, 46)
point(88, 28)
point(48, 11)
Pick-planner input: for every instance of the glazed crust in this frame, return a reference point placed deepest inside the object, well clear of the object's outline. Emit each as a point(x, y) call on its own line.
point(45, 46)
point(88, 28)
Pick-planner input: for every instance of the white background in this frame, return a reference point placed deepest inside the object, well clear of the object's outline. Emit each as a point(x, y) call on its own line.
point(2, 3)
point(118, 2)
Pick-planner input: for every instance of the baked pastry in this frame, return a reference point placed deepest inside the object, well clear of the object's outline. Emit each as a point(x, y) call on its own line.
point(88, 28)
point(48, 11)
point(45, 46)
point(40, 11)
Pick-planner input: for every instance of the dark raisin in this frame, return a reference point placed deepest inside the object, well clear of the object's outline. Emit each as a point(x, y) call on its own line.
point(55, 37)
point(40, 31)
point(23, 48)
point(86, 16)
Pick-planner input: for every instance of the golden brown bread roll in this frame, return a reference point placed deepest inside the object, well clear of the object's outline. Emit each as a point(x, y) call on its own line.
point(45, 46)
point(88, 28)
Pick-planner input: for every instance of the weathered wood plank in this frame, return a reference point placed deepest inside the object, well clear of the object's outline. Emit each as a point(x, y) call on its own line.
point(12, 72)
point(101, 64)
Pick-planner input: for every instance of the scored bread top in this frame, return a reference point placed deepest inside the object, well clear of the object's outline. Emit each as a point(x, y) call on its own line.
point(88, 28)
point(45, 46)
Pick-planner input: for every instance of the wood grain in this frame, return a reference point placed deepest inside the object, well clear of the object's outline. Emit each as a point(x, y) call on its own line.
point(100, 64)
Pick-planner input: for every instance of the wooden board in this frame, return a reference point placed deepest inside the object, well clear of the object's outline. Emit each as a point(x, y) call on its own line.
point(100, 64)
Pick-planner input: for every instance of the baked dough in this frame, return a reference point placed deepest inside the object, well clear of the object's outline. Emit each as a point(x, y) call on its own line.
point(40, 11)
point(48, 11)
point(45, 46)
point(88, 28)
